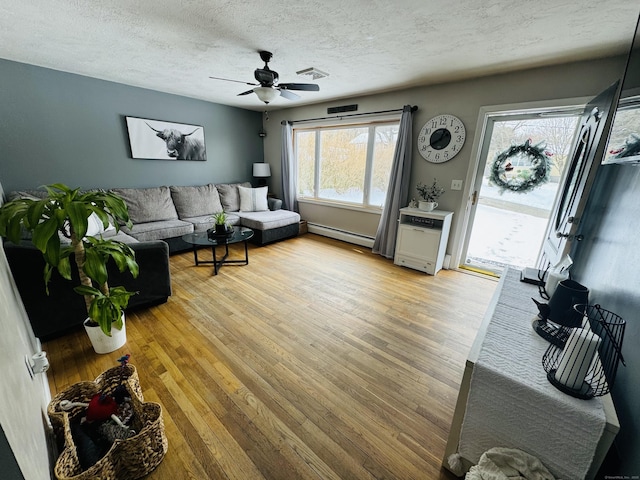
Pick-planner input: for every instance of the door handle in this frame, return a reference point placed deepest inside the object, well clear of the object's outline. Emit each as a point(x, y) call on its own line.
point(577, 238)
point(474, 197)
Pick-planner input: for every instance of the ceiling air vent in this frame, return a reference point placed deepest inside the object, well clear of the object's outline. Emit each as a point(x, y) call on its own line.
point(342, 109)
point(313, 73)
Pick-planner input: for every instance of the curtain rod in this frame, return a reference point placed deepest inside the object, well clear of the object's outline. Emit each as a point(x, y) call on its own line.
point(340, 117)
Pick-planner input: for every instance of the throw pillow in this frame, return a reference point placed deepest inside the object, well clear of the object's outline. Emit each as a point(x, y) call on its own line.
point(229, 196)
point(253, 199)
point(95, 226)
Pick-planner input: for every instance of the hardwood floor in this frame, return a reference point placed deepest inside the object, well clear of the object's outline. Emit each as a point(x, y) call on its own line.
point(318, 360)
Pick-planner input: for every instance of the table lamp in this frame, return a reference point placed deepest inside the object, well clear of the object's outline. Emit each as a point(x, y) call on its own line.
point(261, 171)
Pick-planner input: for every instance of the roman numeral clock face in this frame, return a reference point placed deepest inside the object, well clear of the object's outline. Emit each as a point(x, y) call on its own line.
point(441, 138)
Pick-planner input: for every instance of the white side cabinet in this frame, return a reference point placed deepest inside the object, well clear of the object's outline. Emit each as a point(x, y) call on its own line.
point(422, 239)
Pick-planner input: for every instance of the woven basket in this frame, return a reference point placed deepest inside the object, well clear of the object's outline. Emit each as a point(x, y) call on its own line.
point(105, 383)
point(127, 459)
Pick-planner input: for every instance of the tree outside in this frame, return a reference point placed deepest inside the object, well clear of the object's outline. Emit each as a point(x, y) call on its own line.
point(344, 162)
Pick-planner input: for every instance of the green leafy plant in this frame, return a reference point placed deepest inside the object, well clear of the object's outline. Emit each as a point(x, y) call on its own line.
point(64, 213)
point(220, 218)
point(430, 193)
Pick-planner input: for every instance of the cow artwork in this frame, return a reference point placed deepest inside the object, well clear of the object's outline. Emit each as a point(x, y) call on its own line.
point(180, 145)
point(160, 140)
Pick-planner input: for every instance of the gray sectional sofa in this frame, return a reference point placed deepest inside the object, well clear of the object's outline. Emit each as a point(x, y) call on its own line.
point(160, 216)
point(167, 213)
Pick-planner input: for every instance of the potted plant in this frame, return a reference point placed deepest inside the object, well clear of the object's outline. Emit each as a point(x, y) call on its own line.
point(220, 219)
point(429, 194)
point(64, 213)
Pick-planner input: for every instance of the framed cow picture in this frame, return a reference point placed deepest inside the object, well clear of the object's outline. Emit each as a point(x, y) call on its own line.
point(161, 140)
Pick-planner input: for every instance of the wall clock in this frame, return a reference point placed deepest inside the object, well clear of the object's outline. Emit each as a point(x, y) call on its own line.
point(441, 138)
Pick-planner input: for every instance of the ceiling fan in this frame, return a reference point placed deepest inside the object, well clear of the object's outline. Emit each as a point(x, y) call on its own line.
point(268, 87)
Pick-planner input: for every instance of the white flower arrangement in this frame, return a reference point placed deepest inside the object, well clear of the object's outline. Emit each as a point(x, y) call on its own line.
point(430, 193)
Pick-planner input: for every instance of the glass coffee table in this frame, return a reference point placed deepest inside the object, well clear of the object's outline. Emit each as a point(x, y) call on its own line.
point(200, 239)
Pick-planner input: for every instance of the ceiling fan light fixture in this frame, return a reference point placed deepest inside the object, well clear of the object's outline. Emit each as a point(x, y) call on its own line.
point(266, 94)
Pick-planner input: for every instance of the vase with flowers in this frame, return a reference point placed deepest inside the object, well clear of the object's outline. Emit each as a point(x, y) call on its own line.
point(429, 194)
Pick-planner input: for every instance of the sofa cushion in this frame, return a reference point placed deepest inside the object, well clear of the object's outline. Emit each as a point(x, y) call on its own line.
point(253, 199)
point(229, 196)
point(118, 236)
point(268, 220)
point(28, 194)
point(204, 222)
point(200, 224)
point(158, 230)
point(148, 204)
point(196, 201)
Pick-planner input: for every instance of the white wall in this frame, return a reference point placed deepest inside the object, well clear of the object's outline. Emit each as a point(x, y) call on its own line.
point(23, 401)
point(24, 452)
point(463, 99)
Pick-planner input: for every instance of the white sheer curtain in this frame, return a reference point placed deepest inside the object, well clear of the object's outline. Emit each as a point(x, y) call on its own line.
point(398, 190)
point(289, 169)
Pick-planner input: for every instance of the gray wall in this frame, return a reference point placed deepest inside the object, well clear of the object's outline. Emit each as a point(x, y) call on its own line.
point(59, 127)
point(463, 99)
point(608, 262)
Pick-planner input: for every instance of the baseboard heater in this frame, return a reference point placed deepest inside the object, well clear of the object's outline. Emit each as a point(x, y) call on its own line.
point(350, 237)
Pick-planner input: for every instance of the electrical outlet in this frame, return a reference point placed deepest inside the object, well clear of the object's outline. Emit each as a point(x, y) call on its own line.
point(456, 184)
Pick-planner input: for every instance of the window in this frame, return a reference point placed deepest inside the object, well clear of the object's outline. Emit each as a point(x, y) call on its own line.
point(347, 164)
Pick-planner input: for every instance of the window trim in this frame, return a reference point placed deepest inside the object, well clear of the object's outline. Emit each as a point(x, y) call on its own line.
point(371, 125)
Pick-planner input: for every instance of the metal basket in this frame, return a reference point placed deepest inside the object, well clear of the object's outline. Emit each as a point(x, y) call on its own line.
point(600, 372)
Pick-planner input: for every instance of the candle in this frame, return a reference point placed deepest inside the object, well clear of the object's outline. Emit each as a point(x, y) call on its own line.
point(576, 358)
point(553, 279)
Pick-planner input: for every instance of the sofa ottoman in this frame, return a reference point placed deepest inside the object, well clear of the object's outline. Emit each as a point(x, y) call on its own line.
point(271, 225)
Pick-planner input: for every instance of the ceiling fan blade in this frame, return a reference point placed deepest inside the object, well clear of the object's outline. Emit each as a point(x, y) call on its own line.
point(229, 80)
point(246, 93)
point(309, 87)
point(288, 95)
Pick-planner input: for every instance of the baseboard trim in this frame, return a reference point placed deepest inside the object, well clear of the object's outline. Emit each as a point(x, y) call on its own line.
point(343, 235)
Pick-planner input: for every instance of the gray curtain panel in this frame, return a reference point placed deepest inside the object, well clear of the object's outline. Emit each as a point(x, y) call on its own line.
point(398, 190)
point(289, 169)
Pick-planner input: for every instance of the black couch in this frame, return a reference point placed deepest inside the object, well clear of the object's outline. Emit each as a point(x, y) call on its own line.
point(63, 310)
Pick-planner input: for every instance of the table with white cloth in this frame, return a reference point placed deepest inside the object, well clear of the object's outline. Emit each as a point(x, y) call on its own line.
point(505, 399)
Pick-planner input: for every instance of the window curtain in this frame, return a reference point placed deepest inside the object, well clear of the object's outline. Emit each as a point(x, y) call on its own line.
point(398, 190)
point(289, 169)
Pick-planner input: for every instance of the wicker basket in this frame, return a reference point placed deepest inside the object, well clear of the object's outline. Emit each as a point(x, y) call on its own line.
point(127, 459)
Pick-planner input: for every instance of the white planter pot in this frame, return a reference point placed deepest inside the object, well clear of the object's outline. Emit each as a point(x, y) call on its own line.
point(103, 343)
point(427, 206)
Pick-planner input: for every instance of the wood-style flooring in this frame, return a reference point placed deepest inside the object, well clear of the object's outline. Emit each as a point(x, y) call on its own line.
point(318, 360)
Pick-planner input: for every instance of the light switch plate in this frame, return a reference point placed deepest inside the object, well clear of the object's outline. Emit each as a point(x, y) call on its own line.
point(456, 184)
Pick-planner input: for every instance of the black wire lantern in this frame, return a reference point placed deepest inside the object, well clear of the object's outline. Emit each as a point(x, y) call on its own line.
point(587, 365)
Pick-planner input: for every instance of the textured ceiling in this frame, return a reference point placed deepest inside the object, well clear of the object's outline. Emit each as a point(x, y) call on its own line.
point(367, 46)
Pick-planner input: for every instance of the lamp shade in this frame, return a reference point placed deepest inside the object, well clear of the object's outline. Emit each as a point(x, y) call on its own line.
point(261, 170)
point(567, 294)
point(266, 94)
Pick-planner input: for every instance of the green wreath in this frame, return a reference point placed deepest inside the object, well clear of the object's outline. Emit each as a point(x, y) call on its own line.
point(521, 183)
